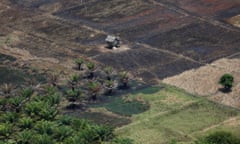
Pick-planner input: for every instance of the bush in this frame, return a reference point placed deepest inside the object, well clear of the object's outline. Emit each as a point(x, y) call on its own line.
point(123, 141)
point(220, 137)
point(25, 123)
point(227, 81)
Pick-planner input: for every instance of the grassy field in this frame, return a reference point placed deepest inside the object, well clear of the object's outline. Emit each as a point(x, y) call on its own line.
point(176, 115)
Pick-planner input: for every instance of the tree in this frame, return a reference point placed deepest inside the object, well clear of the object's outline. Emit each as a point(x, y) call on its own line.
point(72, 96)
point(79, 63)
point(61, 132)
point(45, 127)
point(7, 89)
point(48, 112)
point(94, 88)
point(9, 117)
point(109, 84)
point(16, 103)
point(91, 67)
point(124, 79)
point(25, 123)
point(24, 137)
point(42, 139)
point(74, 80)
point(5, 130)
point(227, 81)
point(108, 70)
point(27, 93)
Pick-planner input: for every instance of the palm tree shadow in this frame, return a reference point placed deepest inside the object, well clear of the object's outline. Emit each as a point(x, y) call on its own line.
point(75, 107)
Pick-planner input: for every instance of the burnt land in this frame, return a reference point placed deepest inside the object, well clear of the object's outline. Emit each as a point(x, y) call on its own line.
point(163, 37)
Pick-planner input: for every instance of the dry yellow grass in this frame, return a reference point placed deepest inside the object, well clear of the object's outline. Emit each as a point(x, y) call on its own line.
point(235, 20)
point(204, 81)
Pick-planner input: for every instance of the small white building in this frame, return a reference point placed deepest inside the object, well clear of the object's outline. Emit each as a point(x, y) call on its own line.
point(112, 41)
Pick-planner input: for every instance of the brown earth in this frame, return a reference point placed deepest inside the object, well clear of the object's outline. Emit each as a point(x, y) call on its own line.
point(161, 38)
point(235, 20)
point(204, 81)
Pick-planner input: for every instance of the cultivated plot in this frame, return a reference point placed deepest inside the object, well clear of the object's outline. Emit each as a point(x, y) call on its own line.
point(219, 9)
point(174, 114)
point(200, 41)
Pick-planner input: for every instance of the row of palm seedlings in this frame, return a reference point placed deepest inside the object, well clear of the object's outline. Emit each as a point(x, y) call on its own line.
point(90, 81)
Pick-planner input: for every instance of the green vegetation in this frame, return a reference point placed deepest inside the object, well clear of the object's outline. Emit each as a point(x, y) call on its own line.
point(33, 117)
point(220, 137)
point(109, 85)
point(227, 81)
point(79, 63)
point(174, 115)
point(91, 67)
point(125, 106)
point(108, 71)
point(124, 78)
point(93, 88)
point(158, 114)
point(18, 76)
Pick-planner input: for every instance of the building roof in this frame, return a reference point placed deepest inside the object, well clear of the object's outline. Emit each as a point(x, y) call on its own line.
point(111, 38)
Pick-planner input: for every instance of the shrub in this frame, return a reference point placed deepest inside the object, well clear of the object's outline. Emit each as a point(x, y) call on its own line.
point(227, 81)
point(123, 141)
point(25, 123)
point(220, 137)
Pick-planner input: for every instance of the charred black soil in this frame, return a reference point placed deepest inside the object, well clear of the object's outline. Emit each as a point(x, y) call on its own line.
point(160, 38)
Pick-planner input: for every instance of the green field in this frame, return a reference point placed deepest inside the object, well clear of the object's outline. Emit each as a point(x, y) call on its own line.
point(175, 115)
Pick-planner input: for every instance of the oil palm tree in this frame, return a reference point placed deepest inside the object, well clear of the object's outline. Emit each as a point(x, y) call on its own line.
point(124, 78)
point(27, 93)
point(16, 103)
point(91, 67)
point(94, 88)
point(45, 127)
point(24, 137)
point(48, 112)
point(7, 89)
point(79, 63)
point(108, 71)
point(9, 117)
point(42, 139)
point(109, 85)
point(25, 123)
point(62, 132)
point(74, 81)
point(74, 97)
point(33, 108)
point(5, 130)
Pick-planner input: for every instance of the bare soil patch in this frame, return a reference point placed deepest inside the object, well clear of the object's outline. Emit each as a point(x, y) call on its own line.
point(177, 38)
point(204, 81)
point(235, 20)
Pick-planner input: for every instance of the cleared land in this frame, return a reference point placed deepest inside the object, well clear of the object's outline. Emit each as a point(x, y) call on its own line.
point(161, 38)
